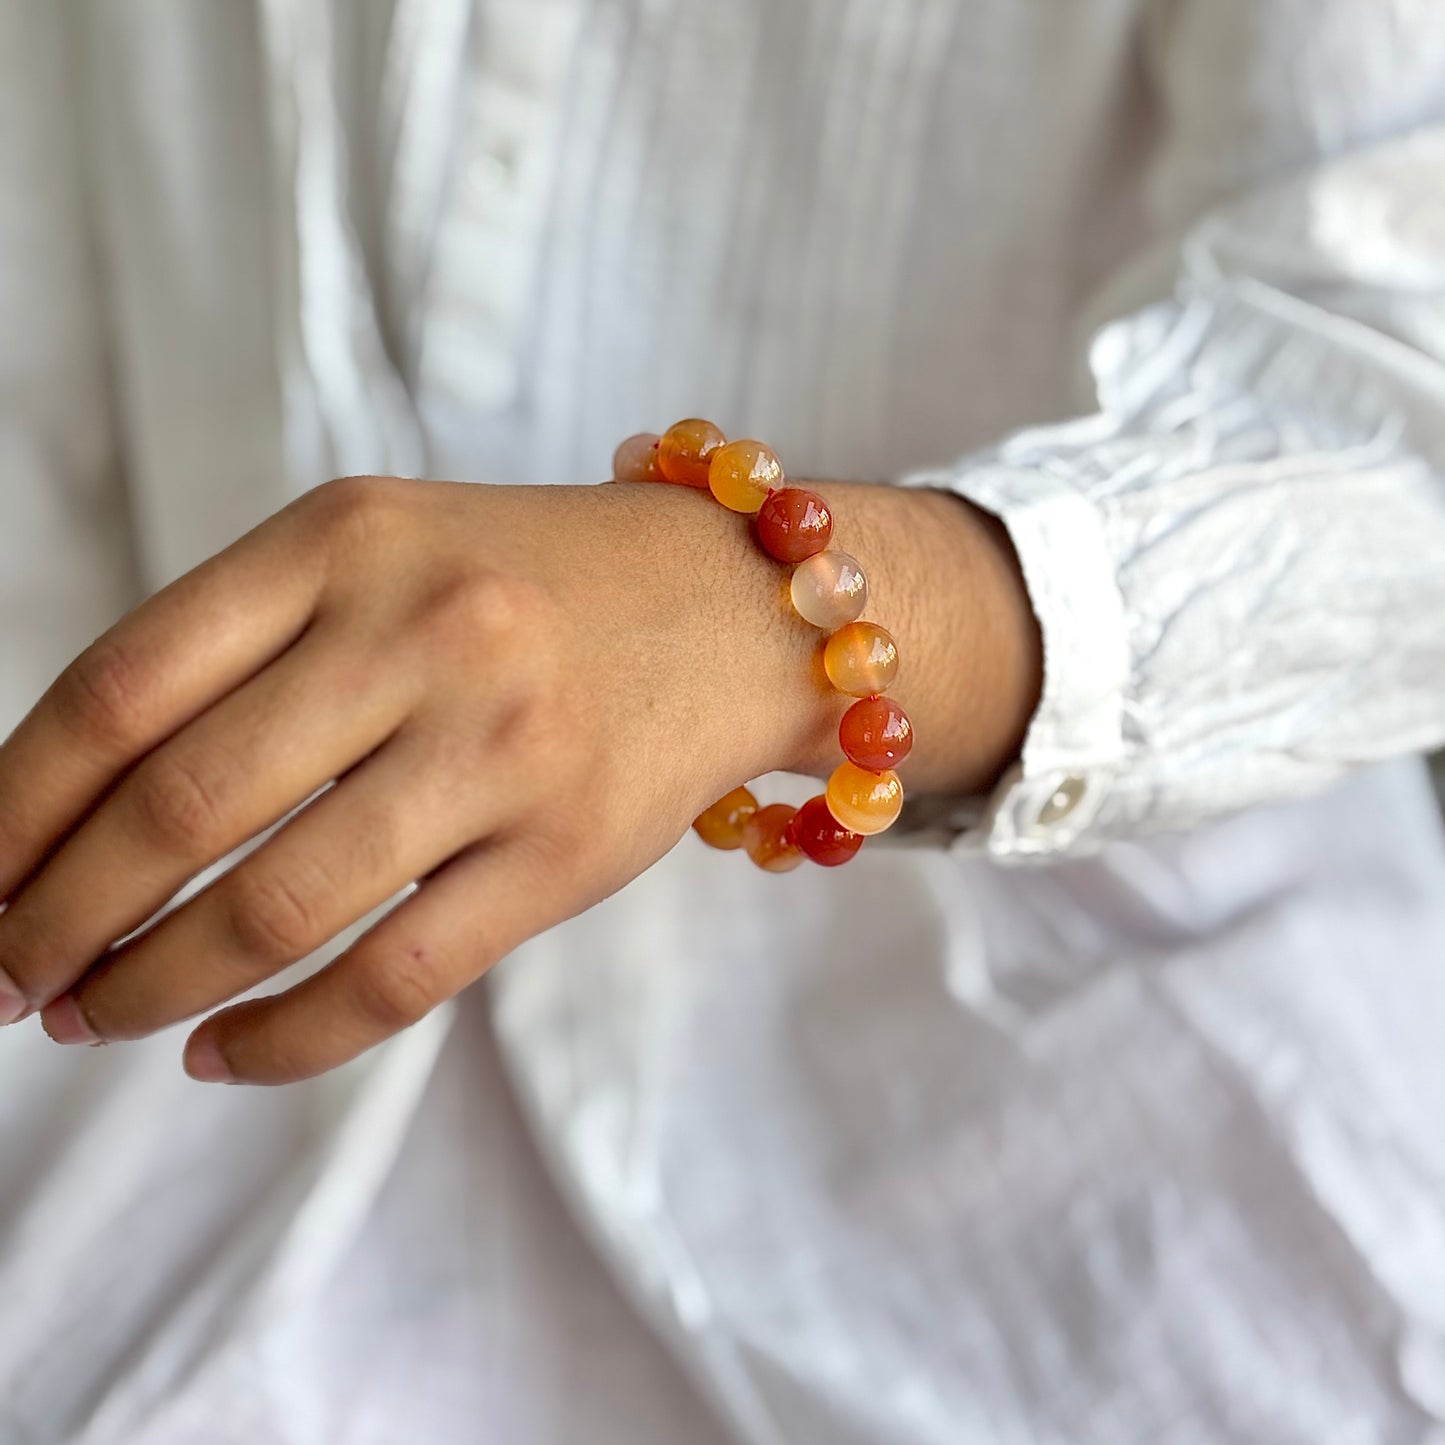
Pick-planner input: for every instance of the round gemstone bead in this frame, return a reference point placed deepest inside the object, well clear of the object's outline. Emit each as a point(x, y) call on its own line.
point(721, 826)
point(686, 450)
point(829, 589)
point(821, 836)
point(864, 801)
point(876, 733)
point(794, 524)
point(636, 459)
point(741, 474)
point(861, 659)
point(768, 837)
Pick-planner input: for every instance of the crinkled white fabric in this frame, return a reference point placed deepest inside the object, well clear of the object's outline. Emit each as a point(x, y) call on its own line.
point(1139, 1146)
point(1254, 523)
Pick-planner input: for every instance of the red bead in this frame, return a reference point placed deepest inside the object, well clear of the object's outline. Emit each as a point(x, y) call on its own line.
point(793, 524)
point(819, 834)
point(876, 733)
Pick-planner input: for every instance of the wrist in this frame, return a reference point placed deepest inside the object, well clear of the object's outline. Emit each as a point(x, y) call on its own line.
point(946, 582)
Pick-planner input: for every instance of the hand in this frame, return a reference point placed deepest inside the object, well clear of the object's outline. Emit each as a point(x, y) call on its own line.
point(524, 695)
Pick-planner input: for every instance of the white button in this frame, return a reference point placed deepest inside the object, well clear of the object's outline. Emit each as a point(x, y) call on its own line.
point(493, 170)
point(1061, 802)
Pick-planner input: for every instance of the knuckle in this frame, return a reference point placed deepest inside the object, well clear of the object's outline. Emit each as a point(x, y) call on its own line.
point(398, 993)
point(489, 612)
point(545, 724)
point(355, 509)
point(275, 917)
point(105, 695)
point(180, 804)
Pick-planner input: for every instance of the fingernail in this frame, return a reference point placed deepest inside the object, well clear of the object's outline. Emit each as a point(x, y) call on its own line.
point(204, 1063)
point(13, 1007)
point(64, 1022)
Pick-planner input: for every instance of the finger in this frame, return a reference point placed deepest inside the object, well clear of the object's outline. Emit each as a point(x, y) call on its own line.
point(231, 773)
point(459, 923)
point(162, 665)
point(393, 820)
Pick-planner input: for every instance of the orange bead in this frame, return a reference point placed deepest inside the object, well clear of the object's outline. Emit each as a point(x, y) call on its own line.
point(822, 837)
point(864, 801)
point(636, 459)
point(876, 733)
point(860, 659)
point(686, 450)
point(794, 524)
point(768, 837)
point(741, 474)
point(721, 826)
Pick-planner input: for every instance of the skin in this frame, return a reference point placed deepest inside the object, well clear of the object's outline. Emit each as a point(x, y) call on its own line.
point(523, 697)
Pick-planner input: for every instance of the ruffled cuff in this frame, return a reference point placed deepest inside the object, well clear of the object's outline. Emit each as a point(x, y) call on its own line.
point(1046, 801)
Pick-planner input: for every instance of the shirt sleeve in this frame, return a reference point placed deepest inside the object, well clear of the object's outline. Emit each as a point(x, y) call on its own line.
point(1238, 561)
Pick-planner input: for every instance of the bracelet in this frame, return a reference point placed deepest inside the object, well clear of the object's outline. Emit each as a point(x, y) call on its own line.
point(829, 590)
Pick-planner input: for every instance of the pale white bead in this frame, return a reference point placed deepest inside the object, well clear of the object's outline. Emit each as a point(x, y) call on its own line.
point(829, 589)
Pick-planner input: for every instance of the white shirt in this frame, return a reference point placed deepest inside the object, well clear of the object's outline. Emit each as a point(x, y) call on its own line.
point(1143, 1145)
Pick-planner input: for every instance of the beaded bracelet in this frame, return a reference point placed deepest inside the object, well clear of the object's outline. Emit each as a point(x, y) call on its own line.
point(830, 591)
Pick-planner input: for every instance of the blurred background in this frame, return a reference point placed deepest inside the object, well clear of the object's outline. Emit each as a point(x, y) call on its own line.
point(1143, 1145)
